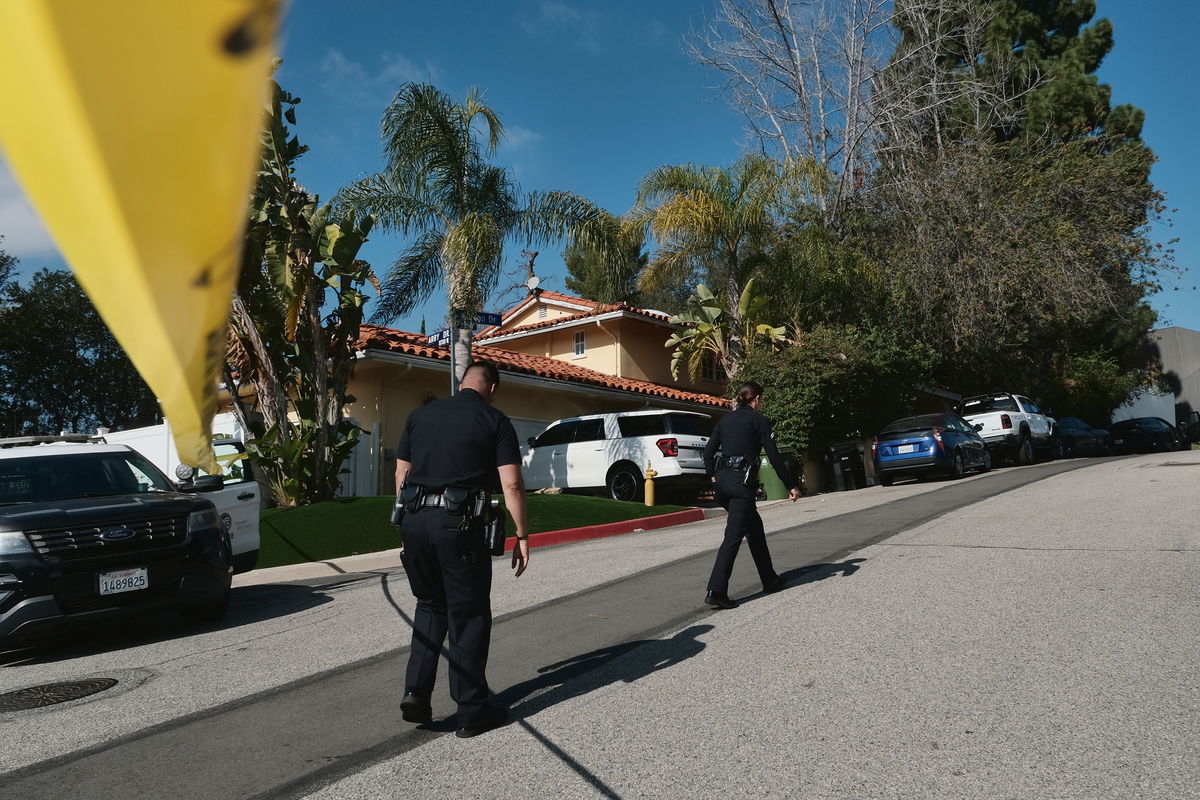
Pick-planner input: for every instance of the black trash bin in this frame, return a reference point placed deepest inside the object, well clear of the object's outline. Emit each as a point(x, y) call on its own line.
point(845, 461)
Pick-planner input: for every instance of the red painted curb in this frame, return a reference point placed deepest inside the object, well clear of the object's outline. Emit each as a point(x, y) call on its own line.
point(609, 529)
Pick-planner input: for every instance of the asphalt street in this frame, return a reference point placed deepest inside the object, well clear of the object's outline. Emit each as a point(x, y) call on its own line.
point(1028, 633)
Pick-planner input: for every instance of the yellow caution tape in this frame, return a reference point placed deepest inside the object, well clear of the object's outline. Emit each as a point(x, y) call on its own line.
point(134, 127)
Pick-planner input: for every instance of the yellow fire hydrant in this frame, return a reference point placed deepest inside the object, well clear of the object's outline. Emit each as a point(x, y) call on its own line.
point(650, 474)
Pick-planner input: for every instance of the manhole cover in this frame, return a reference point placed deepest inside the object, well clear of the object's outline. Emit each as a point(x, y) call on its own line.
point(51, 693)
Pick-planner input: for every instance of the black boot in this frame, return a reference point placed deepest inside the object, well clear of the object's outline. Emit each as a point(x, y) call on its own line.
point(490, 718)
point(720, 600)
point(415, 707)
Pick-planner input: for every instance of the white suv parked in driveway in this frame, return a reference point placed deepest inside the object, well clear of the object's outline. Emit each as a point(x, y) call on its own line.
point(609, 453)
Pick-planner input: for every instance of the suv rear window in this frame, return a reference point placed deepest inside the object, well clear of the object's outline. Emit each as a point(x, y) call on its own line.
point(984, 405)
point(690, 425)
point(642, 425)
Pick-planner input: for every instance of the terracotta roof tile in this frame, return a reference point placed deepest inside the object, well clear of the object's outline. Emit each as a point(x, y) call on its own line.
point(566, 298)
point(597, 310)
point(376, 337)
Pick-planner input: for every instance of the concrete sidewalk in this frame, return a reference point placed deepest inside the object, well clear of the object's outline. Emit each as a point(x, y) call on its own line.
point(1038, 644)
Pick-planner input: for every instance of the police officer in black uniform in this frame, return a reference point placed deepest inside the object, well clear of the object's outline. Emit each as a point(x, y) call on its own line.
point(740, 436)
point(455, 443)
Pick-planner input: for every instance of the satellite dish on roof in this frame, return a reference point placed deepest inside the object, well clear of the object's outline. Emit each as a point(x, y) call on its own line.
point(533, 283)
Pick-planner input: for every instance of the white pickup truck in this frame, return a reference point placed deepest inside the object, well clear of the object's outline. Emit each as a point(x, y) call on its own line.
point(1012, 425)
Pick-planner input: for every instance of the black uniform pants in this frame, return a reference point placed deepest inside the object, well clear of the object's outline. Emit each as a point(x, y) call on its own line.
point(743, 522)
point(450, 573)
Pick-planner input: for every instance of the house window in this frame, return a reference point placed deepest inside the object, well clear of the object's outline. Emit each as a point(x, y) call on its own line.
point(709, 370)
point(580, 344)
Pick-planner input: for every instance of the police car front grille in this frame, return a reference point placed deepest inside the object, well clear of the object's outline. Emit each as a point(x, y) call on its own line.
point(66, 544)
point(81, 604)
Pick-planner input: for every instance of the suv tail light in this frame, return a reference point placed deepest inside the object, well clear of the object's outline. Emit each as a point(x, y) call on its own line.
point(937, 435)
point(874, 447)
point(1005, 421)
point(669, 447)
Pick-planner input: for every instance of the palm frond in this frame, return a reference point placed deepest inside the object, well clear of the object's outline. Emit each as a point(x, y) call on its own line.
point(475, 107)
point(411, 278)
point(691, 215)
point(395, 207)
point(670, 264)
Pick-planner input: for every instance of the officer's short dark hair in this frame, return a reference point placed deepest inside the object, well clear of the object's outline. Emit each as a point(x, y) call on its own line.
point(486, 369)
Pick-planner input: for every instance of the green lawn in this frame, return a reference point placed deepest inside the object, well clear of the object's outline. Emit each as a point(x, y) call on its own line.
point(360, 524)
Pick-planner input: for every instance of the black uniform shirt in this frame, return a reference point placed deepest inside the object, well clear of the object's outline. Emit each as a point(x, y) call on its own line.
point(458, 441)
point(745, 432)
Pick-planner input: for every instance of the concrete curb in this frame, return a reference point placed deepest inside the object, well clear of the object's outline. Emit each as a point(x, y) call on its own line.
point(390, 559)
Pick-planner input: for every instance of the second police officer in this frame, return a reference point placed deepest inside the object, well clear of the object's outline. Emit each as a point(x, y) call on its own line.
point(740, 436)
point(456, 447)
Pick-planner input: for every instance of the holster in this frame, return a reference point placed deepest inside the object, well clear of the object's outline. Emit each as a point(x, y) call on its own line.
point(408, 499)
point(746, 467)
point(412, 496)
point(493, 529)
point(455, 499)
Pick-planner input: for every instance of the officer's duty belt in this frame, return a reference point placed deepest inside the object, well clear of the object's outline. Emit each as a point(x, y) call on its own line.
point(733, 462)
point(433, 501)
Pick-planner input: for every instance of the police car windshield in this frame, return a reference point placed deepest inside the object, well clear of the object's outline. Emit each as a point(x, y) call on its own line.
point(46, 478)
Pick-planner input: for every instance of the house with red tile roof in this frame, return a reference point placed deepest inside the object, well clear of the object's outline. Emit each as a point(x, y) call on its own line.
point(558, 356)
point(617, 339)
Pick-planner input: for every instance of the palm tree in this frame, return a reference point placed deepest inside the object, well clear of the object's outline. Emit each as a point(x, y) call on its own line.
point(721, 218)
point(439, 186)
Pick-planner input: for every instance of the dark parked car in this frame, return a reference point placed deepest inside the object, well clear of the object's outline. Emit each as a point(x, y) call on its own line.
point(1146, 435)
point(1080, 439)
point(930, 443)
point(91, 531)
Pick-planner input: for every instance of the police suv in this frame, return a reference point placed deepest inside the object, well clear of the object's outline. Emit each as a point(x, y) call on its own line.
point(91, 530)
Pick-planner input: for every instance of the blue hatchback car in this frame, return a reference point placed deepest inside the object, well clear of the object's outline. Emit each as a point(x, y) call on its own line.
point(943, 444)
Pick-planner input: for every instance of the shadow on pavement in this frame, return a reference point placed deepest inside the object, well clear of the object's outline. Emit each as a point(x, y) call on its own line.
point(811, 574)
point(819, 572)
point(621, 663)
point(249, 605)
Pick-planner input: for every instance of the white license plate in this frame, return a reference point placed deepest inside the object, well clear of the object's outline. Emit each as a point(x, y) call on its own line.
point(127, 580)
point(906, 448)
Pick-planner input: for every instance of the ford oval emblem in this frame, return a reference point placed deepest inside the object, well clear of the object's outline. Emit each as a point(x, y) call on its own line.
point(117, 534)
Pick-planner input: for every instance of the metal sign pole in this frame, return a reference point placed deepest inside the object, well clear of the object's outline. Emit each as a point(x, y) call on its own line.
point(453, 353)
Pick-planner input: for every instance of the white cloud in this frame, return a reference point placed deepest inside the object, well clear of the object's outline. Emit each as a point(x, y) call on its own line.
point(558, 20)
point(371, 85)
point(24, 234)
point(518, 138)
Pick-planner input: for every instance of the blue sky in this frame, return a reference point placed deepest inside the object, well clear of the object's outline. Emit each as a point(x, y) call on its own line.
point(594, 95)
